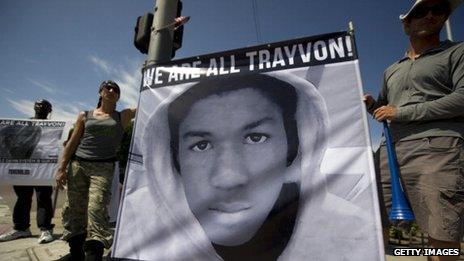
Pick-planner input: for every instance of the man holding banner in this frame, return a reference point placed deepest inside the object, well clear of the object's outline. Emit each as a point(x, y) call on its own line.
point(423, 97)
point(21, 142)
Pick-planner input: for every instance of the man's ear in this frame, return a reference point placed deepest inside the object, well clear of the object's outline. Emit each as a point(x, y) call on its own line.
point(406, 23)
point(293, 172)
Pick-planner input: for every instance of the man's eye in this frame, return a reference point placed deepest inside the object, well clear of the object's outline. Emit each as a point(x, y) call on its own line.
point(255, 138)
point(201, 146)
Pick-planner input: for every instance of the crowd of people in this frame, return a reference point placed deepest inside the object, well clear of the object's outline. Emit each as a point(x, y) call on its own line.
point(422, 99)
point(86, 168)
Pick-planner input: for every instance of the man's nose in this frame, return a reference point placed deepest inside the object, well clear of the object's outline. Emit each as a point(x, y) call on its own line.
point(230, 170)
point(429, 13)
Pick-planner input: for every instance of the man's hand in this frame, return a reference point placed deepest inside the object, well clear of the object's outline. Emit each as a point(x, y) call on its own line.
point(368, 100)
point(385, 113)
point(61, 177)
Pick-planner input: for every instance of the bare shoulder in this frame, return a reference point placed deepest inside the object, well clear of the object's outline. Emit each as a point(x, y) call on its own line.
point(129, 113)
point(81, 117)
point(80, 125)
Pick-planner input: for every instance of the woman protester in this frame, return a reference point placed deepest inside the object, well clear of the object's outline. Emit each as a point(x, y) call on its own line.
point(92, 153)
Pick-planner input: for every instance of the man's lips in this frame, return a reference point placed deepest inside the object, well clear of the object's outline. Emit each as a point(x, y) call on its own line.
point(230, 207)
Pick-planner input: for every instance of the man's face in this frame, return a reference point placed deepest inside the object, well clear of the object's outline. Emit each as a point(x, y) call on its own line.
point(426, 19)
point(42, 109)
point(232, 157)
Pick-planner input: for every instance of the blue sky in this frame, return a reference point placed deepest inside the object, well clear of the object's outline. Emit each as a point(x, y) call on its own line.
point(61, 50)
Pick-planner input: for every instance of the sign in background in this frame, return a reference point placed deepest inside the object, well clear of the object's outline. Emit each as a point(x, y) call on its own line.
point(337, 209)
point(29, 150)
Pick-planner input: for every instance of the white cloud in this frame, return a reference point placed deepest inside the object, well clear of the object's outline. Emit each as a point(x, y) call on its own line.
point(129, 83)
point(62, 112)
point(101, 64)
point(84, 104)
point(45, 86)
point(8, 90)
point(128, 79)
point(26, 107)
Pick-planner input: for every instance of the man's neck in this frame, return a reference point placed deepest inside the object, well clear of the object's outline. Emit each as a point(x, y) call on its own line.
point(419, 45)
point(41, 116)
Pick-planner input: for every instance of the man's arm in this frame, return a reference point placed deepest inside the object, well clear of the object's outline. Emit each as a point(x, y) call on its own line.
point(126, 116)
point(446, 107)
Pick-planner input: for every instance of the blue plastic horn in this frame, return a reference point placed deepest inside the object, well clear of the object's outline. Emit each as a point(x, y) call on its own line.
point(400, 210)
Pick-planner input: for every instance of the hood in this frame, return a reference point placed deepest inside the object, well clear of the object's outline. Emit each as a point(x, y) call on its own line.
point(166, 186)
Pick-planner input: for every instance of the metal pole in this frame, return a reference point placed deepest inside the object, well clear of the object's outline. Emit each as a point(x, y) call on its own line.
point(55, 200)
point(449, 34)
point(160, 47)
point(351, 28)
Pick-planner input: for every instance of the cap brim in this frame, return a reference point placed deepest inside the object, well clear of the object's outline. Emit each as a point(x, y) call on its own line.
point(453, 5)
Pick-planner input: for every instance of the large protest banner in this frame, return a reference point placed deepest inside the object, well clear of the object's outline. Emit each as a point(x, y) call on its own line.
point(29, 150)
point(260, 153)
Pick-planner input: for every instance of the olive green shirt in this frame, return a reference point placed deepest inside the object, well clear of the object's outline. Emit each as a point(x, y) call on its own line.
point(428, 93)
point(101, 137)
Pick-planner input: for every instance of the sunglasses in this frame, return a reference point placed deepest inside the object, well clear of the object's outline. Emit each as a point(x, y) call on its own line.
point(422, 11)
point(112, 88)
point(110, 85)
point(40, 106)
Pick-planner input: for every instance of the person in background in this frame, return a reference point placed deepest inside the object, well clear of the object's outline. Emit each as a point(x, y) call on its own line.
point(91, 150)
point(423, 98)
point(22, 207)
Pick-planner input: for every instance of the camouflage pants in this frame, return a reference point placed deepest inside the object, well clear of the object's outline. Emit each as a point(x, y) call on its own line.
point(89, 193)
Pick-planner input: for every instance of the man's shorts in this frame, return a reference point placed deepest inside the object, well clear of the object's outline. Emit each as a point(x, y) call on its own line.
point(432, 174)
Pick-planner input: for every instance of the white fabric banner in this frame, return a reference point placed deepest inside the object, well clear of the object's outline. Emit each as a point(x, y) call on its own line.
point(258, 153)
point(29, 150)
